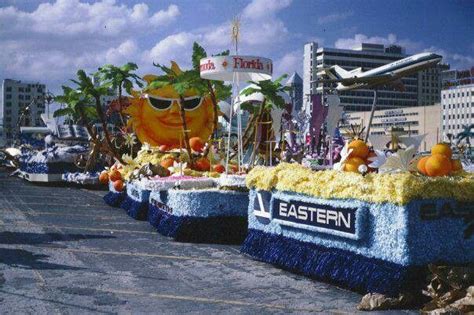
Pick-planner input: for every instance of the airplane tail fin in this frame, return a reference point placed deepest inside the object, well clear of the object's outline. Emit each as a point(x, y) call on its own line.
point(339, 73)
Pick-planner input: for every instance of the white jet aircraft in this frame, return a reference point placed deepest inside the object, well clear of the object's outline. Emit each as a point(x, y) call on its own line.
point(356, 79)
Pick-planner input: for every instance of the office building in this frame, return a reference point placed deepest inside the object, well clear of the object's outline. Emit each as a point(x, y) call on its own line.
point(457, 103)
point(430, 84)
point(22, 104)
point(367, 57)
point(417, 120)
point(296, 93)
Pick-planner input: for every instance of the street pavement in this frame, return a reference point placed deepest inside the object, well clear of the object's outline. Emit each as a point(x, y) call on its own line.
point(64, 251)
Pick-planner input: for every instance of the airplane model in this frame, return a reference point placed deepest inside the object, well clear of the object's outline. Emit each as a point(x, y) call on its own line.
point(356, 79)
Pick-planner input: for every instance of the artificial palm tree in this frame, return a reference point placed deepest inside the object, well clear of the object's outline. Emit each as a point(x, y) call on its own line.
point(119, 79)
point(79, 108)
point(91, 91)
point(271, 91)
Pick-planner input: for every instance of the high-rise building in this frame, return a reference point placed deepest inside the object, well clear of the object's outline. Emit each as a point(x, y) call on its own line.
point(430, 84)
point(309, 74)
point(366, 57)
point(296, 93)
point(25, 100)
point(457, 103)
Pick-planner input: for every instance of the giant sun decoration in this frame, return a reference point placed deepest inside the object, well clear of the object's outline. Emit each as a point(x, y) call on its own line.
point(155, 116)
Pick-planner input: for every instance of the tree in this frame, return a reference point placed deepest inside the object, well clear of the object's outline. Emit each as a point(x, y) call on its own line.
point(79, 108)
point(90, 91)
point(119, 79)
point(271, 91)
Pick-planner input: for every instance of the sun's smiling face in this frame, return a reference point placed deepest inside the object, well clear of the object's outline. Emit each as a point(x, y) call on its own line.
point(155, 116)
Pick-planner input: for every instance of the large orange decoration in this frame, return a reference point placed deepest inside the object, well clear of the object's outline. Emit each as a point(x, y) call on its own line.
point(155, 116)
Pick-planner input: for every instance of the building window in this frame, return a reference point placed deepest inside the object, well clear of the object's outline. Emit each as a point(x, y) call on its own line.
point(8, 96)
point(8, 104)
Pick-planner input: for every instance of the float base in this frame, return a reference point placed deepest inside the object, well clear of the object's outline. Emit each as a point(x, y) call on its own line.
point(339, 267)
point(213, 229)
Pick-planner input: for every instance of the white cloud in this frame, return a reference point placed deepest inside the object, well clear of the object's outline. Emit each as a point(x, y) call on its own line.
point(261, 31)
point(335, 17)
point(289, 63)
point(262, 9)
point(54, 40)
point(352, 43)
point(75, 18)
point(176, 47)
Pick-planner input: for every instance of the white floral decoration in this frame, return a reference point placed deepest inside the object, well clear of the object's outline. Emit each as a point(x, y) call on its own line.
point(378, 160)
point(177, 167)
point(345, 153)
point(399, 161)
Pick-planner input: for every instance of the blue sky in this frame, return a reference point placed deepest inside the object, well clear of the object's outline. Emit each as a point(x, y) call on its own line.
point(50, 41)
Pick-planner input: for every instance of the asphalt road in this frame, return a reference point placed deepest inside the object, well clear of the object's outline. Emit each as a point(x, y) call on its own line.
point(62, 250)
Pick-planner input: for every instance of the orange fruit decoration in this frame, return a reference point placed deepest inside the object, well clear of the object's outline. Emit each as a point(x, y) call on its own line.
point(196, 144)
point(202, 165)
point(104, 178)
point(359, 149)
point(118, 185)
point(456, 165)
point(115, 175)
point(421, 165)
point(219, 168)
point(438, 165)
point(168, 162)
point(352, 164)
point(443, 149)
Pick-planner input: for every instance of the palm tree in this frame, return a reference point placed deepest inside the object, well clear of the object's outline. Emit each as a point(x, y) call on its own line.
point(271, 91)
point(90, 91)
point(119, 79)
point(79, 109)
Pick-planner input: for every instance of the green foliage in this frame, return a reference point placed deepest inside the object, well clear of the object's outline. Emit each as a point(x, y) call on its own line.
point(119, 78)
point(75, 101)
point(271, 92)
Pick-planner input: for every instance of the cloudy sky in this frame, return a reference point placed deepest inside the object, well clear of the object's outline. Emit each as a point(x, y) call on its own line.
point(49, 41)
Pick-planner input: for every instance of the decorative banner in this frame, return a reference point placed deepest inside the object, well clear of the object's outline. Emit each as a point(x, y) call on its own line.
point(315, 216)
point(248, 68)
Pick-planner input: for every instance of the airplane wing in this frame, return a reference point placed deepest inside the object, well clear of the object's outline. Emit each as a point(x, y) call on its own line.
point(355, 80)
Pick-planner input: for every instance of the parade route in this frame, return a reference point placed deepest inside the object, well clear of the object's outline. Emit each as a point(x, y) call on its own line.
point(63, 251)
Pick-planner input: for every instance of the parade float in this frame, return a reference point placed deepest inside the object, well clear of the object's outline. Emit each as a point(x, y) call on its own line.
point(178, 180)
point(371, 224)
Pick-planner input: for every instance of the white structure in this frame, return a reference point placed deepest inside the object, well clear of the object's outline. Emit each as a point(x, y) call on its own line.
point(458, 108)
point(366, 57)
point(309, 74)
point(21, 97)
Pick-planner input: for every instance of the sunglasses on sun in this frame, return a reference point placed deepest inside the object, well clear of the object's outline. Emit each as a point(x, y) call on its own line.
point(162, 103)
